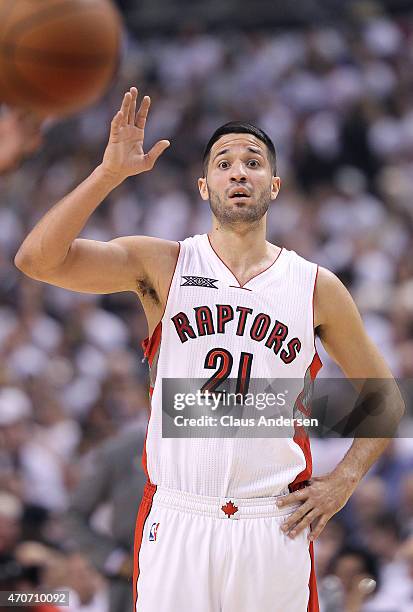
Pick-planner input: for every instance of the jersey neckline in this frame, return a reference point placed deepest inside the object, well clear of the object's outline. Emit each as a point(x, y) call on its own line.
point(259, 275)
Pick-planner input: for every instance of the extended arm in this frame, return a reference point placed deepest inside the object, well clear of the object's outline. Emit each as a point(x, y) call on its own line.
point(342, 333)
point(53, 253)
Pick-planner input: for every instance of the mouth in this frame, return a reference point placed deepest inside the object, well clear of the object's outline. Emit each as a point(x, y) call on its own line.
point(238, 194)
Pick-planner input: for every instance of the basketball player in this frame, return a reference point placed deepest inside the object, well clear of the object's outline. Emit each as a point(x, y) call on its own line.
point(224, 524)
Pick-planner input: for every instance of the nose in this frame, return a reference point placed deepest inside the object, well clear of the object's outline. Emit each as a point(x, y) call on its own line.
point(238, 173)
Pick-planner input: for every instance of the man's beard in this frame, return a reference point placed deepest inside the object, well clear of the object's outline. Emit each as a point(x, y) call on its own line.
point(233, 214)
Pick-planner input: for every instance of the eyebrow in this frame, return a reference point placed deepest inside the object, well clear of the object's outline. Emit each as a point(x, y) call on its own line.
point(251, 149)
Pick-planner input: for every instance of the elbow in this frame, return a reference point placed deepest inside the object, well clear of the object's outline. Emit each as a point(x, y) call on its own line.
point(399, 411)
point(25, 264)
point(21, 261)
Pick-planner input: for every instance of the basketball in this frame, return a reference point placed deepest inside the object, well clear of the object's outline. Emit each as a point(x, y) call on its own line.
point(57, 56)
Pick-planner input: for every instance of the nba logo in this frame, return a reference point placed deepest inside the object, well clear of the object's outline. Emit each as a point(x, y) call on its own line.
point(153, 532)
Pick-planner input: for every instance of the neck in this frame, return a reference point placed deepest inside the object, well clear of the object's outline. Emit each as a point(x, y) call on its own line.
point(243, 248)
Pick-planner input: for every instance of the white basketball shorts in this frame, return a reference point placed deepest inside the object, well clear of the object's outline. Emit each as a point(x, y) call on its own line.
point(206, 554)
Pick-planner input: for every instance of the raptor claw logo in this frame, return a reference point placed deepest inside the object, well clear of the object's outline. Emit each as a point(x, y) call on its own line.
point(199, 281)
point(229, 509)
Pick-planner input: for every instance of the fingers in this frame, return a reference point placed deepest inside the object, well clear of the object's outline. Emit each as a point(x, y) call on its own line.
point(127, 112)
point(132, 105)
point(154, 153)
point(293, 498)
point(318, 527)
point(124, 109)
point(295, 517)
point(304, 523)
point(116, 124)
point(127, 117)
point(143, 113)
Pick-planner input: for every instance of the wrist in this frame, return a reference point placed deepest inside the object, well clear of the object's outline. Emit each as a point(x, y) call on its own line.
point(347, 474)
point(107, 178)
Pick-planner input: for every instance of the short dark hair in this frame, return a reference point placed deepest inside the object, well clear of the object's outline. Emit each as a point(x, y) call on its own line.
point(366, 557)
point(241, 127)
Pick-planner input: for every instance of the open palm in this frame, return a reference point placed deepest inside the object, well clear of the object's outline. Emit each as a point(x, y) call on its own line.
point(124, 155)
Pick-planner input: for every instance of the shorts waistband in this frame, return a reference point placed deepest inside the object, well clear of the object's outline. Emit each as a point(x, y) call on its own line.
point(220, 507)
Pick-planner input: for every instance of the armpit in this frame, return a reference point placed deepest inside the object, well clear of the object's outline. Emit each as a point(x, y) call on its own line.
point(146, 290)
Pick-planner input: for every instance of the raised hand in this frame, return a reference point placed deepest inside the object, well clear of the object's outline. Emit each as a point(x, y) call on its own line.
point(124, 155)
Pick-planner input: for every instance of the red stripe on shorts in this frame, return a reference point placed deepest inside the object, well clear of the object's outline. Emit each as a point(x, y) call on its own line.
point(312, 585)
point(143, 513)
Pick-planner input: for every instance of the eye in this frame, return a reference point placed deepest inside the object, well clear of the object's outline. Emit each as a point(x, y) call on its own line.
point(223, 165)
point(253, 163)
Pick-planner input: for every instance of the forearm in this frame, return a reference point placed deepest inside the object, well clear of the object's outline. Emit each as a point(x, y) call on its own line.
point(381, 407)
point(359, 459)
point(49, 242)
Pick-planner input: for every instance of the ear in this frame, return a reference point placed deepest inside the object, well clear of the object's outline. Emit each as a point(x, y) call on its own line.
point(275, 186)
point(203, 188)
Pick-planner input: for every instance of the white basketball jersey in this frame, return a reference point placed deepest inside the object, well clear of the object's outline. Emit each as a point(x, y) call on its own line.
point(267, 329)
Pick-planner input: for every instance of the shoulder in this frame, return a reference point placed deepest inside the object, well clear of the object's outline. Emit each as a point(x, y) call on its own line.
point(300, 261)
point(327, 281)
point(153, 260)
point(330, 297)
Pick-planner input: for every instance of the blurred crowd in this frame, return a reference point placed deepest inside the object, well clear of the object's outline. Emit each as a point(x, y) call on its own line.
point(338, 103)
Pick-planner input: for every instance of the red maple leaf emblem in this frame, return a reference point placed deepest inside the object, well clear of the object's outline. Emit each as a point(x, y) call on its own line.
point(229, 509)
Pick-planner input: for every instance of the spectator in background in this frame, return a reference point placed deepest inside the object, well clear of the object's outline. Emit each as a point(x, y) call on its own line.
point(11, 512)
point(36, 566)
point(383, 538)
point(352, 578)
point(393, 467)
point(331, 540)
point(113, 476)
point(405, 509)
point(44, 566)
point(405, 555)
point(32, 463)
point(88, 591)
point(25, 569)
point(20, 136)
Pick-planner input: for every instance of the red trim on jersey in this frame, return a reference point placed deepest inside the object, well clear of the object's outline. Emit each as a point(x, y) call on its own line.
point(301, 438)
point(143, 513)
point(300, 435)
point(144, 456)
point(315, 366)
point(150, 347)
point(236, 287)
point(314, 334)
point(312, 585)
point(250, 279)
point(152, 344)
point(147, 344)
